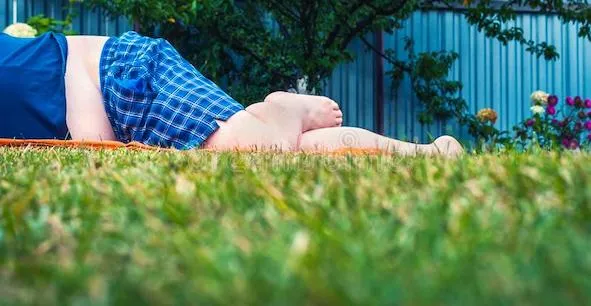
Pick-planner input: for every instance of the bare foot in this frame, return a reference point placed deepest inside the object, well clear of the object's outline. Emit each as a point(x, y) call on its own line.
point(317, 112)
point(448, 146)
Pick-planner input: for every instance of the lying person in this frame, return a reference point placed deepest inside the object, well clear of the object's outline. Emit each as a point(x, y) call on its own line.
point(136, 88)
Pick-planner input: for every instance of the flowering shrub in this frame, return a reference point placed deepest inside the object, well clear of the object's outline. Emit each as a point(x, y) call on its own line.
point(539, 98)
point(481, 126)
point(487, 115)
point(553, 125)
point(20, 30)
point(40, 24)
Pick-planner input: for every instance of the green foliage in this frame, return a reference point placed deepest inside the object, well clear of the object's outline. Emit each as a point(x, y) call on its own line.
point(428, 73)
point(268, 45)
point(147, 14)
point(44, 24)
point(487, 137)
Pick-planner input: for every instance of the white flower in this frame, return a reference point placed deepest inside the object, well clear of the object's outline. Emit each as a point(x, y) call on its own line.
point(20, 30)
point(539, 97)
point(536, 109)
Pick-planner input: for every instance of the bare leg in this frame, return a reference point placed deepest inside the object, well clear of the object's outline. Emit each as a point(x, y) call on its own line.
point(245, 131)
point(276, 126)
point(321, 112)
point(280, 120)
point(318, 137)
point(329, 139)
point(290, 114)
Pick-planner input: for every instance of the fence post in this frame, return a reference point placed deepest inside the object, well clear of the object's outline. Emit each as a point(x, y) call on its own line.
point(379, 79)
point(14, 11)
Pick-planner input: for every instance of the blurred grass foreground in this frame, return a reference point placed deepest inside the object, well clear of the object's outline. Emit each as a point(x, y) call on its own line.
point(82, 227)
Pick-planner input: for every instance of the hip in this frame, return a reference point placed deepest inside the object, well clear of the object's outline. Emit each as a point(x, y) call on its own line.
point(86, 117)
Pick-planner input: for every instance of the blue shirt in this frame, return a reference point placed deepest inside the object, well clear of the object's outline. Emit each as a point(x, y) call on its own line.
point(32, 87)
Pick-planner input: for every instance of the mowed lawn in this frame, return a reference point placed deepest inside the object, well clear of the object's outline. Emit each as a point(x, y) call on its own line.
point(80, 227)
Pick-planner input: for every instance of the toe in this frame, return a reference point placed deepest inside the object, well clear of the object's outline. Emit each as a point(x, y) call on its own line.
point(339, 114)
point(339, 122)
point(448, 146)
point(335, 105)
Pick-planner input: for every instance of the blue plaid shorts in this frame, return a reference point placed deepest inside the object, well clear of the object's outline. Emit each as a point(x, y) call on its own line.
point(154, 96)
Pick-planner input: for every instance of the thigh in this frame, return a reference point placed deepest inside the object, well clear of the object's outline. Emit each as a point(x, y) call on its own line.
point(244, 131)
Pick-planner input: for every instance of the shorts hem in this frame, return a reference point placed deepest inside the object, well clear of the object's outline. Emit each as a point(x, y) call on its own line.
point(196, 144)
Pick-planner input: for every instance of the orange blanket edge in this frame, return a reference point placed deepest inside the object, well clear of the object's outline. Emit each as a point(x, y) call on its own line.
point(107, 144)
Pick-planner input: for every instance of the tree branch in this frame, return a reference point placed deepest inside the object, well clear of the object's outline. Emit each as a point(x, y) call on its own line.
point(284, 10)
point(335, 32)
point(384, 56)
point(242, 48)
point(369, 20)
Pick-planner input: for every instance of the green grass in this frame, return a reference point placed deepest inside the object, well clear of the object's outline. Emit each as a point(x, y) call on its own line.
point(80, 227)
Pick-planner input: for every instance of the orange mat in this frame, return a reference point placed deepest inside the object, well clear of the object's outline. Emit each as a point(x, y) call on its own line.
point(107, 144)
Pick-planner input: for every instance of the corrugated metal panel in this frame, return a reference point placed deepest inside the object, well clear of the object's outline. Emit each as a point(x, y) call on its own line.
point(6, 8)
point(496, 76)
point(430, 32)
point(353, 86)
point(89, 22)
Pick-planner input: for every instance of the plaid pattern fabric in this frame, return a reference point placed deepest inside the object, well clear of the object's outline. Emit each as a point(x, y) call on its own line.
point(154, 96)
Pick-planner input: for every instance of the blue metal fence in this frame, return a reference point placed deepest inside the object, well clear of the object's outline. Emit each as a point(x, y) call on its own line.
point(353, 85)
point(86, 21)
point(496, 76)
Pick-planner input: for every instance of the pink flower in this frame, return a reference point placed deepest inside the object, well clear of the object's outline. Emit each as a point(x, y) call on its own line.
point(588, 103)
point(565, 142)
point(578, 101)
point(552, 100)
point(570, 101)
point(578, 126)
point(530, 122)
point(574, 144)
point(552, 110)
point(588, 125)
